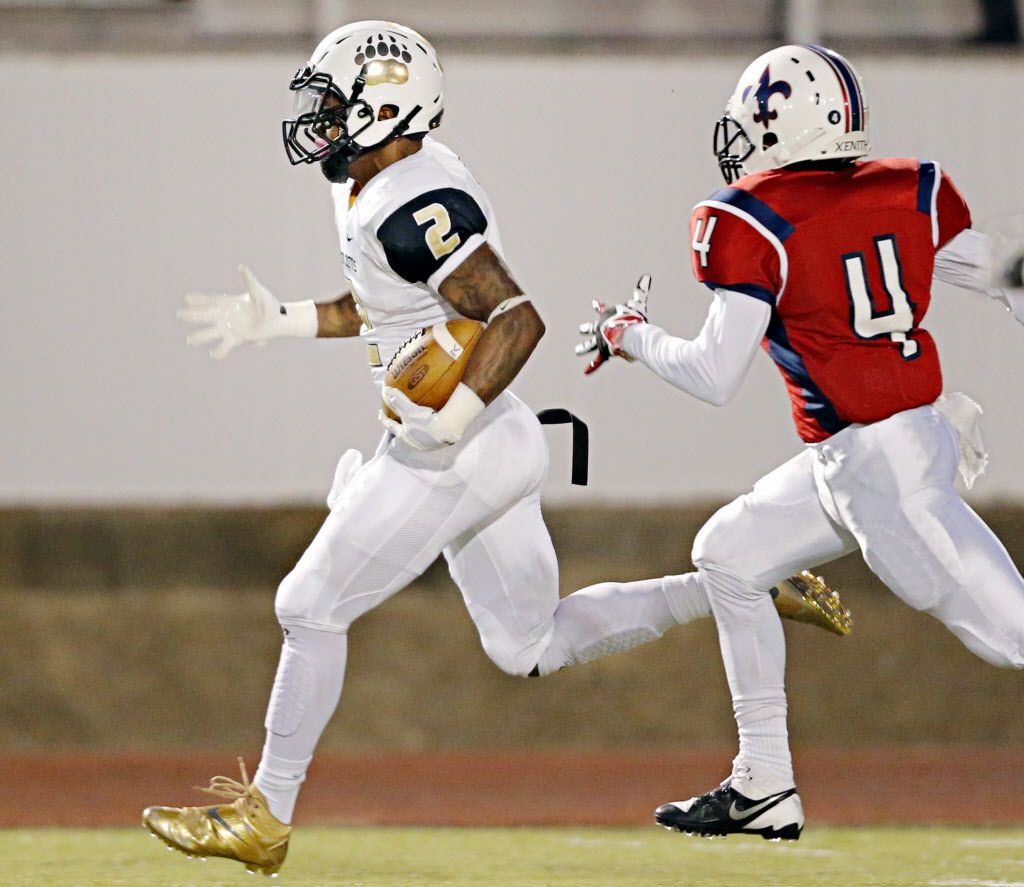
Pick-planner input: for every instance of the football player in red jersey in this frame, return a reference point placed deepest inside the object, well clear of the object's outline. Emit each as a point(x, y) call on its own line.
point(826, 260)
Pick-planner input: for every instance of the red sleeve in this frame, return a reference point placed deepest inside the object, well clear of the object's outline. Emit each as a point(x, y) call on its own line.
point(729, 251)
point(951, 210)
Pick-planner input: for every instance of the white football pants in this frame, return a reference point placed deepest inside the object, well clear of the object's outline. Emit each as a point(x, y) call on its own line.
point(887, 489)
point(478, 503)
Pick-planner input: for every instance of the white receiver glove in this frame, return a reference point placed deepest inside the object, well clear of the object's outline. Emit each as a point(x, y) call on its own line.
point(425, 429)
point(252, 316)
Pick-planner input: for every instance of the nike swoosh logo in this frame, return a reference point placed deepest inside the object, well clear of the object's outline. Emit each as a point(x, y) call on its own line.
point(736, 814)
point(214, 815)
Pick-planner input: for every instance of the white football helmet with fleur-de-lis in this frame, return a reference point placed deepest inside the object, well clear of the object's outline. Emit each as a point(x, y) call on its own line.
point(354, 73)
point(792, 104)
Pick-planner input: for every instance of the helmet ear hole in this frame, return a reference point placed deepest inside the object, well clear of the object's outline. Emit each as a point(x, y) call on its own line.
point(769, 140)
point(387, 112)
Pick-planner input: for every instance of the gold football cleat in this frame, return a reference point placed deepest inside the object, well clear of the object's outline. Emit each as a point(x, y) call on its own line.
point(244, 829)
point(806, 598)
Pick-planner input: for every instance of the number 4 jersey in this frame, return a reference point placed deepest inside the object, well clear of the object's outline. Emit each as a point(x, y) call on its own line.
point(845, 258)
point(401, 236)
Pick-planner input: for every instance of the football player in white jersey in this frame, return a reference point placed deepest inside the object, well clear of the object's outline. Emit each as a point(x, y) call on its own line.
point(420, 247)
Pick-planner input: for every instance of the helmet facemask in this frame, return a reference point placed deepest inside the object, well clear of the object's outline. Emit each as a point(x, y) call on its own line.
point(732, 146)
point(320, 109)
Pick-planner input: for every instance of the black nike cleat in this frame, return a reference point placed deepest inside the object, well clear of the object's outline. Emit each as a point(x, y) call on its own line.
point(724, 811)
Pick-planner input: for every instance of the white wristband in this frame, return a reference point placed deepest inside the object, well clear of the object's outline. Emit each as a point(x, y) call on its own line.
point(462, 408)
point(299, 319)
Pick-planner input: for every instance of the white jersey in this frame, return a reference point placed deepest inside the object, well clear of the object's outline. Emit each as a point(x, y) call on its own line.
point(412, 225)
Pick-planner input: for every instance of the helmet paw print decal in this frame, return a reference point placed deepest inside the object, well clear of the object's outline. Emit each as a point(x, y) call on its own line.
point(383, 47)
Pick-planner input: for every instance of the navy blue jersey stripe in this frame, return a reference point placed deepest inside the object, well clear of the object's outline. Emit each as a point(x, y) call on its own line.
point(925, 186)
point(749, 204)
point(844, 70)
point(748, 289)
point(816, 405)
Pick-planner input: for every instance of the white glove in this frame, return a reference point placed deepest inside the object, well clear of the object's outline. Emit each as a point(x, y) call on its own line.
point(607, 331)
point(252, 316)
point(425, 429)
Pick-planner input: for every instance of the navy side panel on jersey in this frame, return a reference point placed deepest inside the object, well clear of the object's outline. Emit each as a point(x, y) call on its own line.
point(805, 394)
point(419, 236)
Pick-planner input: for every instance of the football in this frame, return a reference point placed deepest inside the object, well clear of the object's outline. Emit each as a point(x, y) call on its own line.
point(428, 367)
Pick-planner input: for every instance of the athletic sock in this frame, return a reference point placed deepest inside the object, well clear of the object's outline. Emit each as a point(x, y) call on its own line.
point(764, 754)
point(754, 653)
point(686, 597)
point(306, 691)
point(280, 780)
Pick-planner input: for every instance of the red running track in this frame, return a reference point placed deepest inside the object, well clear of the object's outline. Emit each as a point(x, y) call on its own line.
point(500, 788)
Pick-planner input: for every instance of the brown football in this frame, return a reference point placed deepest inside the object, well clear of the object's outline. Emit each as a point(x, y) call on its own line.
point(428, 367)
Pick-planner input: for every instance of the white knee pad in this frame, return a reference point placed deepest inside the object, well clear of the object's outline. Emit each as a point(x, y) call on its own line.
point(292, 687)
point(309, 677)
point(564, 655)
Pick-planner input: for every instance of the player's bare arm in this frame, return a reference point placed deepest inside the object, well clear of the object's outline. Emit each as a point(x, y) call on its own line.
point(338, 319)
point(477, 289)
point(480, 288)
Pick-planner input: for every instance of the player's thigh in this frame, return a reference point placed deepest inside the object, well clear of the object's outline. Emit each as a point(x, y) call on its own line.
point(983, 604)
point(775, 530)
point(388, 525)
point(505, 458)
point(508, 574)
point(892, 484)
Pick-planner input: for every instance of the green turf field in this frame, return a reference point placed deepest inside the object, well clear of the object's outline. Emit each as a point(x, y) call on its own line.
point(376, 857)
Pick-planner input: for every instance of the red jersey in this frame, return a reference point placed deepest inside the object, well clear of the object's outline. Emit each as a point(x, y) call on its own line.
point(845, 259)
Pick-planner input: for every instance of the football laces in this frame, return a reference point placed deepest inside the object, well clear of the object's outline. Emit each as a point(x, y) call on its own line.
point(402, 347)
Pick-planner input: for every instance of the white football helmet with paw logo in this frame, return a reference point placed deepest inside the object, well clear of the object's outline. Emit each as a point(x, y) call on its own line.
point(356, 72)
point(792, 104)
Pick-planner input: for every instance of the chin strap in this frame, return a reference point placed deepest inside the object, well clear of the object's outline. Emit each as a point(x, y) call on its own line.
point(397, 132)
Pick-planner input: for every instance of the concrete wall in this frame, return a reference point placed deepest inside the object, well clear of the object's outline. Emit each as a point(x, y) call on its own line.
point(140, 603)
point(130, 180)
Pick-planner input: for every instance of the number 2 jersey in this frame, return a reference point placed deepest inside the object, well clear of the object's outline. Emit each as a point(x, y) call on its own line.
point(401, 236)
point(845, 258)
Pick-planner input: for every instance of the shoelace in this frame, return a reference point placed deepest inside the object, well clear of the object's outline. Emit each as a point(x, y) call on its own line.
point(228, 788)
point(233, 790)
